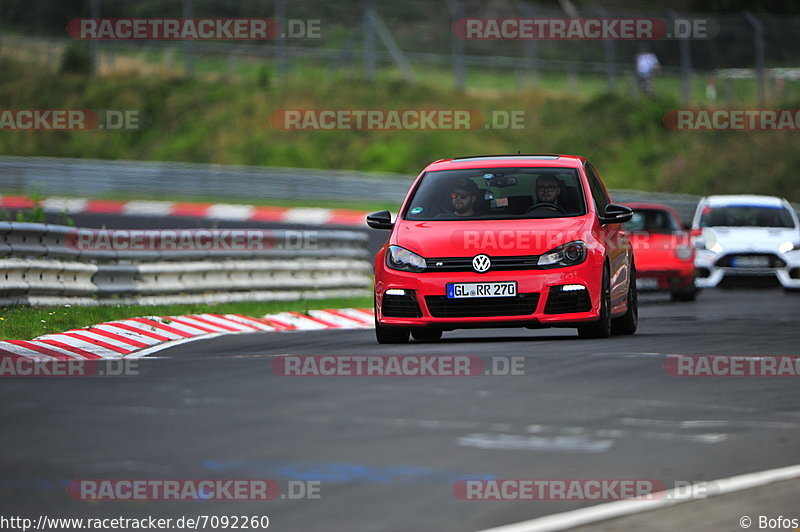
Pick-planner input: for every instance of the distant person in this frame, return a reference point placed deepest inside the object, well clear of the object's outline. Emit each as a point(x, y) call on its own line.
point(647, 66)
point(463, 196)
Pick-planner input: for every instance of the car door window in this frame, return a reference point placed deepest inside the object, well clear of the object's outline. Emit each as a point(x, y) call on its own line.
point(599, 194)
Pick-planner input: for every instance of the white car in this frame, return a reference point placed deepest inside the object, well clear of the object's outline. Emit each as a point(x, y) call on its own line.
point(746, 236)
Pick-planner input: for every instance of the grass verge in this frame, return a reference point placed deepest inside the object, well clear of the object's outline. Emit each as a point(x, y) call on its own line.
point(26, 323)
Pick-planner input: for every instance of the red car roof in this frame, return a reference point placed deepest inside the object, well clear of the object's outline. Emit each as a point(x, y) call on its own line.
point(531, 160)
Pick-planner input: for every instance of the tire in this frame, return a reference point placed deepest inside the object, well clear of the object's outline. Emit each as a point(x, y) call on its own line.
point(602, 327)
point(426, 335)
point(627, 323)
point(683, 295)
point(389, 335)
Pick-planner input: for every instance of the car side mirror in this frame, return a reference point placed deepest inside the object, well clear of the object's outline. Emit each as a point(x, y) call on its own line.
point(380, 220)
point(616, 214)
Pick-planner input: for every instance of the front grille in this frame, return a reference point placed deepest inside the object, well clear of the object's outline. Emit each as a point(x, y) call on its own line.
point(400, 307)
point(726, 261)
point(561, 302)
point(480, 307)
point(499, 264)
point(794, 273)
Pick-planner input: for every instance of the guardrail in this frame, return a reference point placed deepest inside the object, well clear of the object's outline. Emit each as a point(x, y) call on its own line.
point(43, 264)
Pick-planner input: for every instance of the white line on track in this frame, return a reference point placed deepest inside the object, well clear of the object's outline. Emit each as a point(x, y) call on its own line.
point(603, 512)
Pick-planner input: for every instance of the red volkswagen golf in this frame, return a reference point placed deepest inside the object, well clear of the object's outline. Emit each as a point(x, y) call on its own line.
point(505, 241)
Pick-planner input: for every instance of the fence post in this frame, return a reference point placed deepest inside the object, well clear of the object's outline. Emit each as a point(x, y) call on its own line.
point(608, 52)
point(686, 64)
point(459, 73)
point(188, 65)
point(531, 59)
point(758, 35)
point(368, 51)
point(94, 44)
point(397, 54)
point(281, 66)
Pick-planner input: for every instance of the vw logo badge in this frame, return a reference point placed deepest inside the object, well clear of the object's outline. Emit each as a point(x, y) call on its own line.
point(481, 263)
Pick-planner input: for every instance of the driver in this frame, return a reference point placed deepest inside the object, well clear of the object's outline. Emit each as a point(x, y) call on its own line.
point(463, 196)
point(548, 187)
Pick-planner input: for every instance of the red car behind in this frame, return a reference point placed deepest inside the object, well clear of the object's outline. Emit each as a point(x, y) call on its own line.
point(664, 253)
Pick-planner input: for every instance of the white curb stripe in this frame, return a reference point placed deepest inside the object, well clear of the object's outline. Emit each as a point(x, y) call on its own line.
point(148, 208)
point(122, 335)
point(189, 321)
point(81, 339)
point(24, 352)
point(307, 216)
point(249, 321)
point(142, 327)
point(297, 322)
point(602, 512)
point(82, 344)
point(339, 321)
point(219, 211)
point(64, 204)
point(222, 321)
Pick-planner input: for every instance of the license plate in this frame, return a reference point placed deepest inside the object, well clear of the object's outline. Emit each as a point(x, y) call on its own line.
point(751, 262)
point(646, 283)
point(499, 289)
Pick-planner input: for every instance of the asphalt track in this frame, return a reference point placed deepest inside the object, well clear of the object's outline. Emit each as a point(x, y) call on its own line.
point(387, 450)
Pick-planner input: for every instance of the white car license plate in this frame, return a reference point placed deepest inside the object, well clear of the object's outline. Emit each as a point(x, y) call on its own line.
point(499, 289)
point(751, 262)
point(647, 283)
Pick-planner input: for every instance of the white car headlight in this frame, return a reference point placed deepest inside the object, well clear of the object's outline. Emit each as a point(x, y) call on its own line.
point(787, 246)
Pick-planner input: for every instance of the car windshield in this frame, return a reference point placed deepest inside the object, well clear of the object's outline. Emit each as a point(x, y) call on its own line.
point(497, 194)
point(652, 221)
point(746, 216)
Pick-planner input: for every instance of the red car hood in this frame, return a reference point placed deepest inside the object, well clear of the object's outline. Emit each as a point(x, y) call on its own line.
point(493, 237)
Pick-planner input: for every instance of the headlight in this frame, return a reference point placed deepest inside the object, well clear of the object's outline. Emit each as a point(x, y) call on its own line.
point(683, 252)
point(786, 247)
point(398, 258)
point(569, 254)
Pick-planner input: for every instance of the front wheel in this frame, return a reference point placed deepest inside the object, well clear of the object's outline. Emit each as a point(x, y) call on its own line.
point(602, 327)
point(390, 335)
point(627, 323)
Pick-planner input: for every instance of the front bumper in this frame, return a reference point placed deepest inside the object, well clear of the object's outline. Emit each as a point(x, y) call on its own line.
point(710, 274)
point(543, 306)
point(673, 279)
